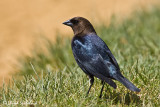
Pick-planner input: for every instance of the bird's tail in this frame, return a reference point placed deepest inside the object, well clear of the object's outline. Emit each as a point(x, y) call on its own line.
point(126, 83)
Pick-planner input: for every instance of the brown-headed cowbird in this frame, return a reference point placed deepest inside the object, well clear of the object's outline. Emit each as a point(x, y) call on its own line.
point(93, 56)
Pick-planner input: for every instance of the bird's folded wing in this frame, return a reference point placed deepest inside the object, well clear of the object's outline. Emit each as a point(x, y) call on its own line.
point(112, 59)
point(104, 50)
point(97, 68)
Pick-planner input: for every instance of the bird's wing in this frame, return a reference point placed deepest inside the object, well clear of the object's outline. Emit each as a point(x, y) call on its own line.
point(94, 67)
point(104, 51)
point(112, 58)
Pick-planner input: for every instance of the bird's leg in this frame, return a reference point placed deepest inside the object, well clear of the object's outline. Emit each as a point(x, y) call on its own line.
point(102, 89)
point(91, 83)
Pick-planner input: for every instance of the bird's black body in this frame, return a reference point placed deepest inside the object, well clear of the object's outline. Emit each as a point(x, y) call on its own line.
point(95, 58)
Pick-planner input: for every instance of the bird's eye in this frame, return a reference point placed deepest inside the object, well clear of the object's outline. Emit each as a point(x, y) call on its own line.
point(74, 21)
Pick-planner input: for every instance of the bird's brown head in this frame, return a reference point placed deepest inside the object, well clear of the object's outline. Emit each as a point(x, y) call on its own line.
point(80, 26)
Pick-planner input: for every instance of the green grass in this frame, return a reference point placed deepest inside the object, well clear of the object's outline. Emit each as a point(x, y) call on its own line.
point(54, 79)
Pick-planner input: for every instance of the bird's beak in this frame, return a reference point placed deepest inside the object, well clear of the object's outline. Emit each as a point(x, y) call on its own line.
point(68, 23)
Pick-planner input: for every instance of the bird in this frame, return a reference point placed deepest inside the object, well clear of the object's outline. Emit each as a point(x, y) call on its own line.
point(94, 57)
